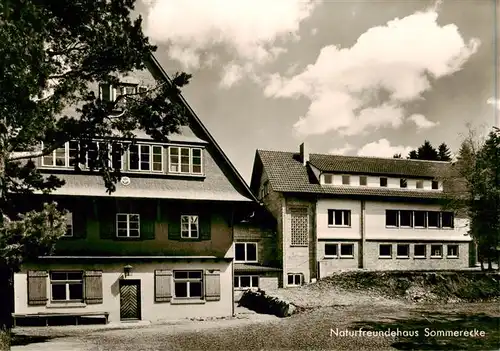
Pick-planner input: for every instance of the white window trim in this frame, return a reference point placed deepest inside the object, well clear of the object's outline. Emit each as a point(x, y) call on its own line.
point(294, 276)
point(188, 281)
point(436, 256)
point(420, 256)
point(340, 250)
point(239, 287)
point(53, 154)
point(339, 225)
point(457, 249)
point(384, 256)
point(439, 220)
point(189, 222)
point(324, 178)
point(403, 256)
point(452, 220)
point(66, 283)
point(425, 220)
point(150, 156)
point(69, 225)
point(397, 219)
point(128, 225)
point(190, 148)
point(246, 252)
point(412, 218)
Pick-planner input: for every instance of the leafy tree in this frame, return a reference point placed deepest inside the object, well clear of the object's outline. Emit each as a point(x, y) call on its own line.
point(397, 156)
point(476, 175)
point(444, 153)
point(413, 155)
point(54, 54)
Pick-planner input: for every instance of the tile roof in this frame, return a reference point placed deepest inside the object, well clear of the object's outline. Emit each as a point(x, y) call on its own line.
point(287, 174)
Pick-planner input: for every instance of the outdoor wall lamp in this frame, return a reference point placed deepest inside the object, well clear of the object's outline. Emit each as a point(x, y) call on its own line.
point(127, 270)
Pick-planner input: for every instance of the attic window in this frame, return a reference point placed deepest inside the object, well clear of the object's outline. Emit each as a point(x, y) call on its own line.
point(383, 182)
point(403, 183)
point(328, 178)
point(346, 180)
point(435, 185)
point(185, 160)
point(110, 93)
point(363, 180)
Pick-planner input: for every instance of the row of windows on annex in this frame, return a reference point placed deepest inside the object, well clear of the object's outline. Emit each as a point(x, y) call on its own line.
point(402, 251)
point(399, 219)
point(86, 286)
point(128, 225)
point(140, 157)
point(383, 182)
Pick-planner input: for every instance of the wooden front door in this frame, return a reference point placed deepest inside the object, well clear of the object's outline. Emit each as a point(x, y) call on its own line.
point(130, 299)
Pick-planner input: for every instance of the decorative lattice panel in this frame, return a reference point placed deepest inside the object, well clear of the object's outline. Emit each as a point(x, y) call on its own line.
point(300, 227)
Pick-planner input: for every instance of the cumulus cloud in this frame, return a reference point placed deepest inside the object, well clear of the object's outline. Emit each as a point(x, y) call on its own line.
point(249, 30)
point(394, 61)
point(383, 148)
point(341, 150)
point(494, 102)
point(422, 122)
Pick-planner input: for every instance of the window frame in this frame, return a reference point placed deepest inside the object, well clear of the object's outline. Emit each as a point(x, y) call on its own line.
point(384, 180)
point(346, 179)
point(397, 219)
point(365, 181)
point(188, 282)
point(69, 225)
point(438, 226)
point(67, 282)
point(441, 251)
point(385, 256)
point(441, 222)
point(151, 148)
point(425, 219)
point(407, 251)
point(419, 182)
point(341, 255)
point(237, 277)
point(54, 157)
point(400, 219)
point(437, 185)
point(190, 220)
point(329, 176)
point(415, 255)
point(343, 216)
point(403, 183)
point(448, 246)
point(246, 260)
point(179, 160)
point(295, 275)
point(337, 251)
point(128, 222)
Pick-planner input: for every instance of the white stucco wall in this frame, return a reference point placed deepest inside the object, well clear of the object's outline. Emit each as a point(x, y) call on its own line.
point(150, 310)
point(331, 232)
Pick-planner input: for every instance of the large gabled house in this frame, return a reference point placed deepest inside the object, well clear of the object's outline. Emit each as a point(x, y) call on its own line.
point(160, 246)
point(340, 212)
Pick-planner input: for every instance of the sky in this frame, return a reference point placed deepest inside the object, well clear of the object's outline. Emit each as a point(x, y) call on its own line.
point(358, 77)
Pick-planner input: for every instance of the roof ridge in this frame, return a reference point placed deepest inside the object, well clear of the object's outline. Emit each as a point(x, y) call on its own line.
point(383, 158)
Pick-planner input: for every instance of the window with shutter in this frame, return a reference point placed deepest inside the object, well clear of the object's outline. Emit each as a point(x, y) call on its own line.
point(93, 287)
point(212, 285)
point(163, 285)
point(37, 287)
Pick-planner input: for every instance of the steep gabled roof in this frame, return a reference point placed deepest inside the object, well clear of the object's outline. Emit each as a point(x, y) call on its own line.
point(233, 172)
point(287, 174)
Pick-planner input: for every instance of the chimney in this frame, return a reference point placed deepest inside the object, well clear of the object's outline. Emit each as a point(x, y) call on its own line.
point(304, 155)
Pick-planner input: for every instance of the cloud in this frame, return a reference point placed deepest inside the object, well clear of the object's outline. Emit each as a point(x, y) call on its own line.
point(422, 122)
point(248, 30)
point(383, 148)
point(494, 102)
point(365, 86)
point(341, 150)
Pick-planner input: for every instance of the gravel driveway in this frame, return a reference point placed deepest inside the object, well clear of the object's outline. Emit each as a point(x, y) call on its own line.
point(309, 330)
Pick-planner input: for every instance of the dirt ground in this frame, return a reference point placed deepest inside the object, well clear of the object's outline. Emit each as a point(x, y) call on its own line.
point(309, 330)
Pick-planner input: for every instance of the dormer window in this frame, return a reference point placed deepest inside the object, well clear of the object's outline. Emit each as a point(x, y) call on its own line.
point(435, 185)
point(383, 182)
point(144, 157)
point(420, 184)
point(185, 160)
point(363, 180)
point(328, 178)
point(403, 183)
point(346, 180)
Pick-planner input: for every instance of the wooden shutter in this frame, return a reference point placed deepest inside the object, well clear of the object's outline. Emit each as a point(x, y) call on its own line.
point(205, 225)
point(93, 287)
point(163, 285)
point(174, 225)
point(212, 285)
point(37, 287)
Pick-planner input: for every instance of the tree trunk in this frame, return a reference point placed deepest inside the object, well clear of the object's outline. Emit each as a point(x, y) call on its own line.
point(7, 299)
point(490, 266)
point(482, 264)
